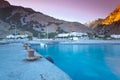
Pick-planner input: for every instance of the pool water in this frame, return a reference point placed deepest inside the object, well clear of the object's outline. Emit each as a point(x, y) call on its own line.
point(85, 62)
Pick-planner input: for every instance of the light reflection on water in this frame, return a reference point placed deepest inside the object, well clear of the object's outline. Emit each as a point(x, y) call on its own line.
point(85, 62)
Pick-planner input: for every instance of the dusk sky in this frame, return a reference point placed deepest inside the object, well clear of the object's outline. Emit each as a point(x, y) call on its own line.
point(71, 10)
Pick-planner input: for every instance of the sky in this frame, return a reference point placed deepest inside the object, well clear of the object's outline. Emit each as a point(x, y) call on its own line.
point(71, 10)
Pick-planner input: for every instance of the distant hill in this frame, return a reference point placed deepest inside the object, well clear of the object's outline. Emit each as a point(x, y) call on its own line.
point(93, 24)
point(109, 25)
point(32, 22)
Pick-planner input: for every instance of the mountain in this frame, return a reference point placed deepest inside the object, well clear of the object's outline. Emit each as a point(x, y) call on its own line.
point(109, 25)
point(113, 17)
point(93, 24)
point(4, 4)
point(26, 19)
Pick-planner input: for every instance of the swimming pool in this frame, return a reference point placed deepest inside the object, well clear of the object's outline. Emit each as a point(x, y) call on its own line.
point(85, 62)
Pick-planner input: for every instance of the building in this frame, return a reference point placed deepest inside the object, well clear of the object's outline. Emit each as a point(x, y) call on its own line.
point(63, 35)
point(73, 35)
point(17, 36)
point(115, 36)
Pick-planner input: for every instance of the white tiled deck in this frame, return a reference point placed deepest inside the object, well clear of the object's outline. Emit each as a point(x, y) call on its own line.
point(14, 67)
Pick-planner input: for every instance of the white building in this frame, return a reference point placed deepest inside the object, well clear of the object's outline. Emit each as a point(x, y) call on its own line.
point(17, 36)
point(73, 35)
point(10, 36)
point(115, 36)
point(77, 34)
point(63, 35)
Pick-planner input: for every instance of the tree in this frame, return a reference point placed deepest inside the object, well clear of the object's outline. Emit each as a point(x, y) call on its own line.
point(30, 38)
point(59, 30)
point(52, 35)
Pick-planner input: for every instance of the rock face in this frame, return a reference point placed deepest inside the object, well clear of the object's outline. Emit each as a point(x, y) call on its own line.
point(109, 25)
point(93, 24)
point(113, 17)
point(4, 4)
point(26, 19)
point(6, 29)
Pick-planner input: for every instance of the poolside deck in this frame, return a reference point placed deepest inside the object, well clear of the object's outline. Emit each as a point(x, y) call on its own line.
point(14, 67)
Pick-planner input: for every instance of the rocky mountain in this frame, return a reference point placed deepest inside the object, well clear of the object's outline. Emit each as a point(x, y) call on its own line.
point(93, 24)
point(4, 4)
point(112, 17)
point(32, 22)
point(109, 25)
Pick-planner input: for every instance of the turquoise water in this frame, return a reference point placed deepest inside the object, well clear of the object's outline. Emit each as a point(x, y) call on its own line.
point(85, 62)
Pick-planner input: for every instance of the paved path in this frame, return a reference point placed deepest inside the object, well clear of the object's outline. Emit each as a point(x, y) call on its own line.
point(14, 67)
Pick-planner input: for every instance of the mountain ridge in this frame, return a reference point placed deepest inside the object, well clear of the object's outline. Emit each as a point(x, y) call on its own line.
point(27, 19)
point(112, 17)
point(108, 26)
point(4, 3)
